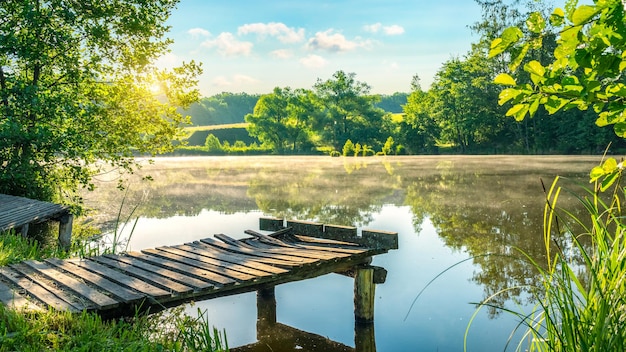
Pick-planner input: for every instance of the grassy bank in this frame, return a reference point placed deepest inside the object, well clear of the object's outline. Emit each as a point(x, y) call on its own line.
point(171, 330)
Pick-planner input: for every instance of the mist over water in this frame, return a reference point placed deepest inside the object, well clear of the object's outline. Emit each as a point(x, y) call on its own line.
point(446, 209)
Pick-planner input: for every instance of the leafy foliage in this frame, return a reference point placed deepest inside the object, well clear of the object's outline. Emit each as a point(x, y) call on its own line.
point(77, 89)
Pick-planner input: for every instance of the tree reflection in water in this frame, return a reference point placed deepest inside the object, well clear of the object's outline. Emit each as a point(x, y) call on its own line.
point(478, 204)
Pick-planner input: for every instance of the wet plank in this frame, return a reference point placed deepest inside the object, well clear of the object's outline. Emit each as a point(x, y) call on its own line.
point(124, 294)
point(172, 275)
point(37, 290)
point(144, 275)
point(98, 299)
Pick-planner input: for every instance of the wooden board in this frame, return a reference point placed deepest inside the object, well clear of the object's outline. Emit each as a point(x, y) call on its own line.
point(189, 270)
point(95, 297)
point(170, 274)
point(12, 299)
point(232, 258)
point(124, 294)
point(36, 290)
point(144, 275)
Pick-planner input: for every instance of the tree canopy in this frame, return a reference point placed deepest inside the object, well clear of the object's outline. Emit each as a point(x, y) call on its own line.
point(78, 89)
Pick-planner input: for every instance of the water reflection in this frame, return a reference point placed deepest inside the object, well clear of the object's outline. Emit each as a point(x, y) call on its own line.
point(471, 205)
point(273, 336)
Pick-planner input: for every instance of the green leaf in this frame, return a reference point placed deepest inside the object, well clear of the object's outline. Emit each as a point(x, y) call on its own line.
point(557, 17)
point(620, 129)
point(609, 165)
point(509, 37)
point(583, 14)
point(535, 23)
point(508, 94)
point(505, 79)
point(534, 106)
point(596, 173)
point(517, 59)
point(536, 71)
point(608, 181)
point(555, 104)
point(518, 111)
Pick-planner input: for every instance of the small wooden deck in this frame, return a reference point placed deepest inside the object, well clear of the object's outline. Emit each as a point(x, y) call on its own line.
point(153, 279)
point(19, 212)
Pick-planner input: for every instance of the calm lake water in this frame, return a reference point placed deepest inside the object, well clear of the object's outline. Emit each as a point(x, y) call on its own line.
point(446, 209)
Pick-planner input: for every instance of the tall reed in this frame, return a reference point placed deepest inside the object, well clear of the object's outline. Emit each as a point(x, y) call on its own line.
point(580, 297)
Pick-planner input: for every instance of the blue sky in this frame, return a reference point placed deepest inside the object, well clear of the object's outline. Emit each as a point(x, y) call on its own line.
point(253, 46)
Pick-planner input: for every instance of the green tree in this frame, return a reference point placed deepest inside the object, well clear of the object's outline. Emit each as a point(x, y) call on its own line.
point(348, 148)
point(419, 130)
point(388, 147)
point(282, 120)
point(78, 89)
point(212, 143)
point(350, 112)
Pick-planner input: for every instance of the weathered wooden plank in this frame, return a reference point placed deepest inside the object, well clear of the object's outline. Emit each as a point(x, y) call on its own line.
point(189, 270)
point(36, 290)
point(220, 270)
point(325, 241)
point(172, 275)
point(124, 294)
point(149, 277)
point(231, 258)
point(53, 287)
point(98, 299)
point(12, 299)
point(123, 279)
point(217, 262)
point(300, 252)
point(248, 258)
point(295, 260)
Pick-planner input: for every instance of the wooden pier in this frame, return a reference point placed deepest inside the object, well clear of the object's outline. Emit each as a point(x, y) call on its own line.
point(153, 279)
point(19, 212)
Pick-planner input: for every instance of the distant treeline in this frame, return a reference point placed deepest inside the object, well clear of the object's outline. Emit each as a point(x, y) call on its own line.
point(227, 108)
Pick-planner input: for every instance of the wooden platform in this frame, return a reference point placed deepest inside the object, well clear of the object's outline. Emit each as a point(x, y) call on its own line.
point(19, 212)
point(166, 276)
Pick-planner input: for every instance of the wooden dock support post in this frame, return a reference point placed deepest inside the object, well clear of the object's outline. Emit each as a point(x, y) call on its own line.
point(364, 294)
point(266, 312)
point(65, 230)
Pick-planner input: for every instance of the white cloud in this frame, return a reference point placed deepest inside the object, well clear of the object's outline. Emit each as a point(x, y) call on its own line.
point(227, 45)
point(313, 61)
point(388, 30)
point(282, 54)
point(393, 30)
point(333, 42)
point(275, 29)
point(373, 28)
point(199, 32)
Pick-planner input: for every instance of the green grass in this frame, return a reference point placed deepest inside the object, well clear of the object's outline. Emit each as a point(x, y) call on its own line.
point(170, 330)
point(61, 331)
point(191, 130)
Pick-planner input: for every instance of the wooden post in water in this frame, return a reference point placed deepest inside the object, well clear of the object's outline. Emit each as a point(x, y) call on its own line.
point(364, 293)
point(65, 230)
point(266, 313)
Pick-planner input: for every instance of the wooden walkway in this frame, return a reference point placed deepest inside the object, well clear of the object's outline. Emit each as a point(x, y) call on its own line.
point(19, 212)
point(166, 276)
